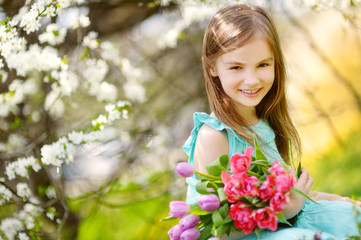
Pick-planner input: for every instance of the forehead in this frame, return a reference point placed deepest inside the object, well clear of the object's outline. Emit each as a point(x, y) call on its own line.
point(254, 50)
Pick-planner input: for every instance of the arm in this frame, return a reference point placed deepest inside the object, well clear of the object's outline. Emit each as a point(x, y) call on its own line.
point(210, 145)
point(331, 197)
point(304, 183)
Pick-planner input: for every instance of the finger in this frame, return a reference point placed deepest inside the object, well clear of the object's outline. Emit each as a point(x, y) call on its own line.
point(303, 177)
point(293, 172)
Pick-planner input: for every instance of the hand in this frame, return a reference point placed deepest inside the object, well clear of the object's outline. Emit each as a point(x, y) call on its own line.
point(347, 199)
point(304, 182)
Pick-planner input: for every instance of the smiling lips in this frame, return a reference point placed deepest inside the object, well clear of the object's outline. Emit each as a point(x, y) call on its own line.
point(250, 92)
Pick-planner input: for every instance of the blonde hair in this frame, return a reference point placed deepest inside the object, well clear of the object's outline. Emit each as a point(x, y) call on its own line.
point(230, 28)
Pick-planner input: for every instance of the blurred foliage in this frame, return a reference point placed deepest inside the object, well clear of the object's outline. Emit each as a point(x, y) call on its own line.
point(127, 211)
point(338, 170)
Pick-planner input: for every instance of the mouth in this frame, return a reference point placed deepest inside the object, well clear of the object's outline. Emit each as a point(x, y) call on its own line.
point(250, 92)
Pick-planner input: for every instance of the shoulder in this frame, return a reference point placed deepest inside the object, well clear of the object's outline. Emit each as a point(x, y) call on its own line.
point(210, 136)
point(210, 145)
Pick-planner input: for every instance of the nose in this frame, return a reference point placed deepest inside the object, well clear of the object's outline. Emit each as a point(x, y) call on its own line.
point(251, 78)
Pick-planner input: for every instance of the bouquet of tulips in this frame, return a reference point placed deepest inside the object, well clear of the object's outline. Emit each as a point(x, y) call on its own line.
point(241, 193)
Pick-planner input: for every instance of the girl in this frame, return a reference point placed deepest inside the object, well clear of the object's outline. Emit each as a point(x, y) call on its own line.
point(244, 75)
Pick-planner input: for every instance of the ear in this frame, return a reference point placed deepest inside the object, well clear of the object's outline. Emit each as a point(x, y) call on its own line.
point(213, 71)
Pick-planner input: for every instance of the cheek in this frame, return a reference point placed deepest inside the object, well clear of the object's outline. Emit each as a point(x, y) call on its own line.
point(268, 76)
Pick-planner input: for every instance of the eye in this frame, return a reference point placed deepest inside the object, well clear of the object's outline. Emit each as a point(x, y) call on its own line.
point(235, 68)
point(264, 65)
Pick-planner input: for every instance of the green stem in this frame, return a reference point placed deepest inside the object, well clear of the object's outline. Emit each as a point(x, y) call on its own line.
point(207, 176)
point(253, 174)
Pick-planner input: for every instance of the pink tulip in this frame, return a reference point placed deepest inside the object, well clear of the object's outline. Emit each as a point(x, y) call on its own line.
point(266, 191)
point(242, 217)
point(190, 234)
point(189, 221)
point(284, 183)
point(175, 232)
point(278, 202)
point(241, 162)
point(266, 218)
point(209, 202)
point(277, 168)
point(178, 208)
point(185, 169)
point(249, 187)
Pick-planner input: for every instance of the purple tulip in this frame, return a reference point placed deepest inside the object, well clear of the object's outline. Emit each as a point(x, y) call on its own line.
point(317, 236)
point(178, 208)
point(190, 234)
point(209, 202)
point(175, 232)
point(189, 221)
point(185, 169)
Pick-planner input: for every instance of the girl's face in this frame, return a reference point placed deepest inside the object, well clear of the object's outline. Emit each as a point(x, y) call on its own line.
point(246, 74)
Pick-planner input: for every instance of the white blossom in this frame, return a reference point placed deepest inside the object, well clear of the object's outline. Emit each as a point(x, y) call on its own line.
point(80, 21)
point(107, 92)
point(58, 152)
point(91, 40)
point(35, 59)
point(5, 194)
point(95, 73)
point(76, 137)
point(110, 52)
point(3, 76)
point(10, 227)
point(23, 190)
point(10, 42)
point(50, 192)
point(26, 218)
point(131, 72)
point(17, 141)
point(20, 167)
point(134, 91)
point(53, 104)
point(30, 21)
point(53, 35)
point(67, 81)
point(51, 213)
point(23, 236)
point(17, 18)
point(32, 209)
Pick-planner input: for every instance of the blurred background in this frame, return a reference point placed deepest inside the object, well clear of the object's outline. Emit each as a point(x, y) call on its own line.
point(120, 186)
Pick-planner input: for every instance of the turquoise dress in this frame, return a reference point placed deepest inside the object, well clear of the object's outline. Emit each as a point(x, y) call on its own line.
point(334, 219)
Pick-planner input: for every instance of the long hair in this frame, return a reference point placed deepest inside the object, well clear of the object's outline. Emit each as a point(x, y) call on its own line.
point(230, 28)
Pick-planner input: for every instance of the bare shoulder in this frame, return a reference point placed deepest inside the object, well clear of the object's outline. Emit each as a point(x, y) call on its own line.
point(210, 145)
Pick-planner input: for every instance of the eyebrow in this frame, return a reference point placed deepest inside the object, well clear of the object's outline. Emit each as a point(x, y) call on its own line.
point(240, 63)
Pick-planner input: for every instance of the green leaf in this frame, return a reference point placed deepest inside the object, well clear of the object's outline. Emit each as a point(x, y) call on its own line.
point(217, 218)
point(197, 210)
point(220, 230)
point(222, 195)
point(259, 154)
point(298, 171)
point(85, 54)
point(298, 191)
point(282, 219)
point(352, 4)
point(251, 173)
point(206, 232)
point(216, 167)
point(258, 233)
point(224, 210)
point(169, 218)
point(201, 187)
